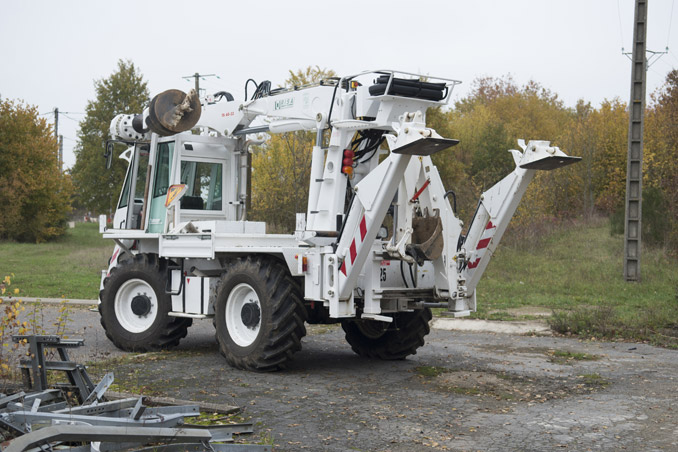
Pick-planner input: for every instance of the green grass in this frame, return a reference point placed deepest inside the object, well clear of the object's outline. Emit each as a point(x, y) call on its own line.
point(431, 371)
point(593, 380)
point(65, 268)
point(567, 357)
point(578, 274)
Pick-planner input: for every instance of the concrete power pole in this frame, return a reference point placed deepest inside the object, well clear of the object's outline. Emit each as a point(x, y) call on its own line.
point(197, 77)
point(60, 140)
point(634, 166)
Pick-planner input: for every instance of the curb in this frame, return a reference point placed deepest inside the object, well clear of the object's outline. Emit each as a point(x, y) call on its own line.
point(70, 301)
point(469, 325)
point(493, 326)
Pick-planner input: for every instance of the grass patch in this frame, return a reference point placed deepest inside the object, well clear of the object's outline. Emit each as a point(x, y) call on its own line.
point(593, 380)
point(577, 273)
point(567, 357)
point(431, 371)
point(68, 267)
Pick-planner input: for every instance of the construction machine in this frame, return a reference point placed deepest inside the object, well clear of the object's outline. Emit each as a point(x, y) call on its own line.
point(378, 246)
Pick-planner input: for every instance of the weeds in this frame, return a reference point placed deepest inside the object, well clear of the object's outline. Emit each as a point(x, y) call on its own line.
point(594, 380)
point(10, 324)
point(14, 320)
point(653, 325)
point(431, 371)
point(567, 357)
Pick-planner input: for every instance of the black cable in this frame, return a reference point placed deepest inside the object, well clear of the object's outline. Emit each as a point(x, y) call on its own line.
point(226, 94)
point(454, 197)
point(373, 148)
point(264, 89)
point(247, 83)
point(402, 273)
point(414, 283)
point(329, 116)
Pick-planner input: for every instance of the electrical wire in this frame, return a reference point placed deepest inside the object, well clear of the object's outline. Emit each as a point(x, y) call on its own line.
point(72, 119)
point(668, 37)
point(673, 55)
point(621, 33)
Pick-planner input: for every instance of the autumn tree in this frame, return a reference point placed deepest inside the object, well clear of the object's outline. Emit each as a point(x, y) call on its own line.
point(36, 194)
point(124, 91)
point(281, 168)
point(660, 180)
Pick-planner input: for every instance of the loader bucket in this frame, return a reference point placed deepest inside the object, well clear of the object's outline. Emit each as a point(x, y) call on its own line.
point(551, 162)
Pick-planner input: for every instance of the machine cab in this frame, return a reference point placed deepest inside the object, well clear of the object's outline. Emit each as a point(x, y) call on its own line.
point(207, 167)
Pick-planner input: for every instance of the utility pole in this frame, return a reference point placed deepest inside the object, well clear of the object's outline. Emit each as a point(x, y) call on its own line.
point(60, 140)
point(56, 122)
point(197, 78)
point(634, 165)
point(61, 153)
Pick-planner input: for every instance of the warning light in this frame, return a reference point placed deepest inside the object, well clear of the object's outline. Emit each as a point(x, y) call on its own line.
point(347, 162)
point(304, 264)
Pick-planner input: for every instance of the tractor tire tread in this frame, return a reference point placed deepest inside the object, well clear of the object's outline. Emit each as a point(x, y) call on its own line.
point(167, 333)
point(287, 315)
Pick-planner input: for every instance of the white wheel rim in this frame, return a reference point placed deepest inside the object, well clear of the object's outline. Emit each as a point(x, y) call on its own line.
point(241, 334)
point(123, 306)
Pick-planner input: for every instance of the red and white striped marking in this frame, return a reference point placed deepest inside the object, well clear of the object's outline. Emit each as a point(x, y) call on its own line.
point(483, 243)
point(353, 249)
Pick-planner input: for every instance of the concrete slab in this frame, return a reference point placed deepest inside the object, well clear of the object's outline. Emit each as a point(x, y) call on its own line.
point(75, 301)
point(492, 326)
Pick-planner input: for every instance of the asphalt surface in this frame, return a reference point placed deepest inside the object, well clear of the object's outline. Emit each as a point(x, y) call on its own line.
point(461, 391)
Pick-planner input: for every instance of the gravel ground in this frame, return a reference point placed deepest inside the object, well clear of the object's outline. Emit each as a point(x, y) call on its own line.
point(461, 391)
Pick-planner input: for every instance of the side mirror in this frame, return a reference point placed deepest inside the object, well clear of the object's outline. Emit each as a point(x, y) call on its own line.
point(108, 155)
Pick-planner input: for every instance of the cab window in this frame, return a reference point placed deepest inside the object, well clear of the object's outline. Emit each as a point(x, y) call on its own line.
point(204, 181)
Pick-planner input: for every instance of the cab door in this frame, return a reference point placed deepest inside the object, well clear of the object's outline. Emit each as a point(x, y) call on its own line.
point(130, 205)
point(161, 183)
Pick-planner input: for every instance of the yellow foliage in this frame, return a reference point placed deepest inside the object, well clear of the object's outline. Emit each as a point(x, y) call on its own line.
point(281, 168)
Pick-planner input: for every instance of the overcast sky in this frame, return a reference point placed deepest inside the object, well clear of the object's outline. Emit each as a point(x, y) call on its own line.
point(52, 51)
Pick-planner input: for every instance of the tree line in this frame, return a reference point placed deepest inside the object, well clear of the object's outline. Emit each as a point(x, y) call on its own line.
point(488, 121)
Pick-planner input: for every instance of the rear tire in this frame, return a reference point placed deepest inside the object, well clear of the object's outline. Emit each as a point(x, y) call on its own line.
point(259, 314)
point(388, 341)
point(134, 306)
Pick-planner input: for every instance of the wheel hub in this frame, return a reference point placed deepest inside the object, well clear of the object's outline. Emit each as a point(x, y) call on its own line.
point(141, 305)
point(250, 315)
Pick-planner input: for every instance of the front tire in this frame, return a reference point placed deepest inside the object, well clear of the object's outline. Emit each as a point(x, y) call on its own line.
point(259, 314)
point(134, 306)
point(388, 341)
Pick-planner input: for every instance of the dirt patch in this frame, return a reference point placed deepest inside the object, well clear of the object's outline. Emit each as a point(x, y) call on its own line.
point(505, 386)
point(461, 391)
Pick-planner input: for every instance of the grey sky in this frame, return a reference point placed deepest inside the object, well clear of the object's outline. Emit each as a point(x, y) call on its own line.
point(51, 51)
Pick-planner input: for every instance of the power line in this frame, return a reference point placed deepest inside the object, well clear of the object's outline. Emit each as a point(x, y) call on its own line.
point(674, 56)
point(72, 119)
point(621, 32)
point(668, 37)
point(197, 78)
